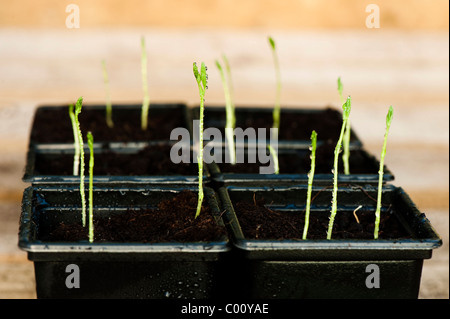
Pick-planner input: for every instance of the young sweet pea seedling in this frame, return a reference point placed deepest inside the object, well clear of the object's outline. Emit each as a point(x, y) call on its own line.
point(230, 84)
point(76, 143)
point(346, 107)
point(310, 182)
point(276, 110)
point(79, 152)
point(381, 171)
point(90, 140)
point(109, 120)
point(146, 101)
point(202, 82)
point(229, 107)
point(346, 140)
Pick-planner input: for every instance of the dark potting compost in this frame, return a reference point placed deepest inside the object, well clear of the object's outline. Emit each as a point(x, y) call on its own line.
point(259, 221)
point(294, 124)
point(172, 221)
point(52, 124)
point(151, 160)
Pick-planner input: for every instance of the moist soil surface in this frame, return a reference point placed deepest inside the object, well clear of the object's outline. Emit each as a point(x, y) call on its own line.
point(293, 126)
point(258, 221)
point(54, 126)
point(172, 221)
point(151, 160)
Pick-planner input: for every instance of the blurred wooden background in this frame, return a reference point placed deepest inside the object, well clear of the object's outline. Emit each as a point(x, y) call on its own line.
point(298, 14)
point(403, 63)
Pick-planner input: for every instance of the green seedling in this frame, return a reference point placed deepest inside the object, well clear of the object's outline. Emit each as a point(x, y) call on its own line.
point(274, 155)
point(346, 107)
point(202, 82)
point(80, 145)
point(90, 140)
point(276, 110)
point(146, 101)
point(230, 85)
point(109, 120)
point(340, 90)
point(346, 140)
point(230, 114)
point(310, 182)
point(381, 171)
point(76, 143)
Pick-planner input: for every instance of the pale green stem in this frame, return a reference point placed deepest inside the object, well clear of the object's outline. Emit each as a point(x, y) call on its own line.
point(346, 154)
point(80, 141)
point(202, 86)
point(310, 182)
point(146, 101)
point(109, 120)
point(347, 107)
point(381, 172)
point(90, 140)
point(230, 119)
point(277, 108)
point(230, 88)
point(274, 155)
point(76, 143)
point(200, 163)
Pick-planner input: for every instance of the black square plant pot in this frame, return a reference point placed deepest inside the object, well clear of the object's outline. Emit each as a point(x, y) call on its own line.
point(131, 163)
point(51, 124)
point(114, 267)
point(296, 124)
point(349, 265)
point(294, 166)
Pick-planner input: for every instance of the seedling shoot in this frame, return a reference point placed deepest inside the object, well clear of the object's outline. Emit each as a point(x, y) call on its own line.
point(90, 140)
point(340, 90)
point(80, 143)
point(229, 107)
point(276, 110)
point(109, 120)
point(381, 172)
point(274, 155)
point(346, 107)
point(202, 82)
point(346, 154)
point(146, 101)
point(76, 143)
point(230, 83)
point(310, 182)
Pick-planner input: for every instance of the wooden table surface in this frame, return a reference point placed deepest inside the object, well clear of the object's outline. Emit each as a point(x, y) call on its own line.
point(406, 69)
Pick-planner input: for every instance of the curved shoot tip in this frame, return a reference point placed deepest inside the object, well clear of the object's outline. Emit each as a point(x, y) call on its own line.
point(339, 83)
point(389, 116)
point(313, 135)
point(196, 73)
point(90, 139)
point(78, 105)
point(204, 76)
point(218, 65)
point(195, 69)
point(201, 77)
point(347, 107)
point(271, 42)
